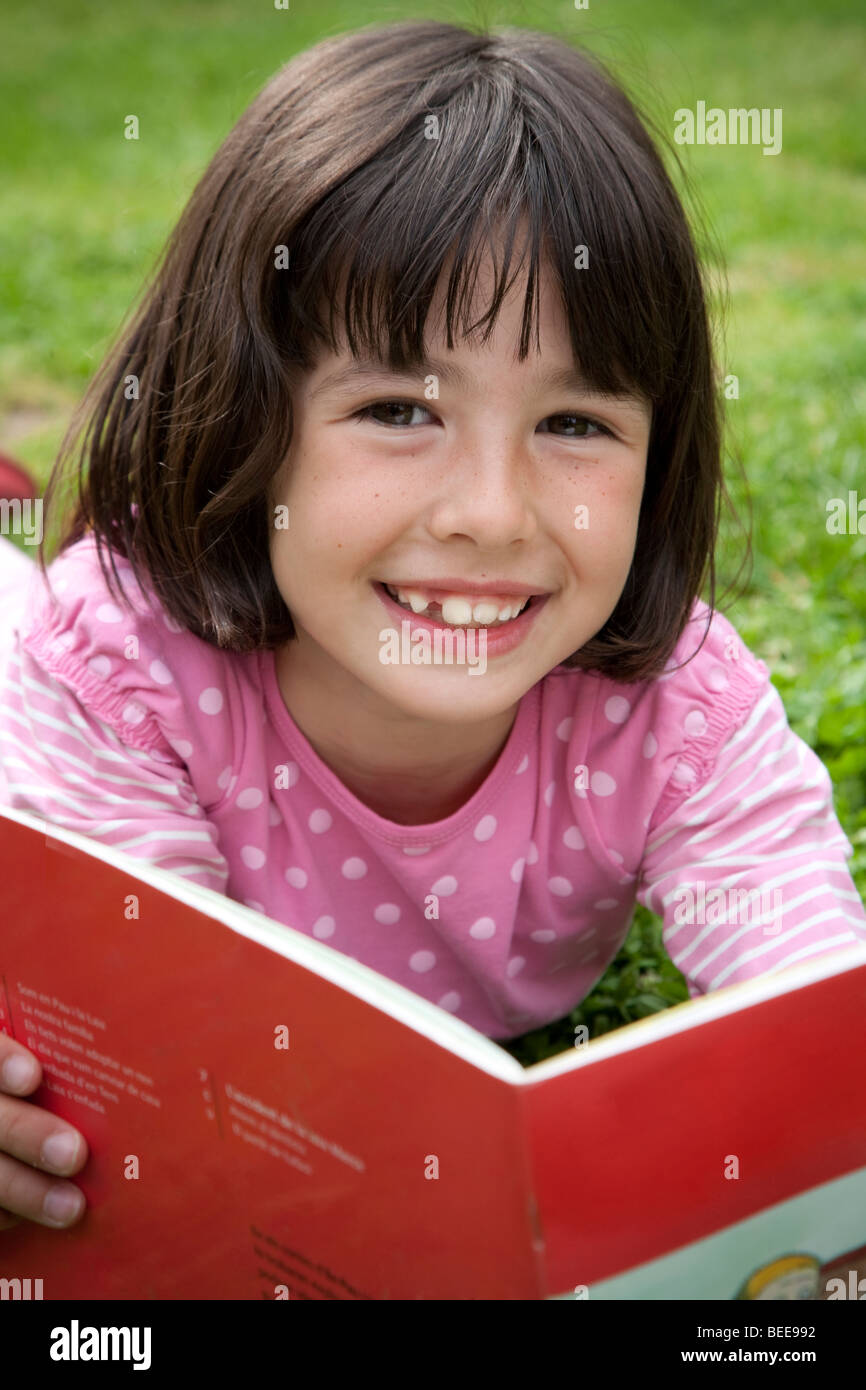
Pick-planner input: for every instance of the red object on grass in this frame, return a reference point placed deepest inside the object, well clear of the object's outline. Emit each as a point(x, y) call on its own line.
point(15, 481)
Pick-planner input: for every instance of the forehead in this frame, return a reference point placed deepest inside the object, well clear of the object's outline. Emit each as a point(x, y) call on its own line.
point(485, 344)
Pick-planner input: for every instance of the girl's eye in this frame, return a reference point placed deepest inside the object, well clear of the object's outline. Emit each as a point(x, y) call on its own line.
point(393, 409)
point(582, 421)
point(397, 407)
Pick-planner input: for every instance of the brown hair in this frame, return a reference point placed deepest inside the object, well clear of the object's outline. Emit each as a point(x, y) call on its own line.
point(331, 162)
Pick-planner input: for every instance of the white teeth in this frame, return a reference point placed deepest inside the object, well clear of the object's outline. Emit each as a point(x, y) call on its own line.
point(417, 602)
point(460, 612)
point(457, 611)
point(487, 612)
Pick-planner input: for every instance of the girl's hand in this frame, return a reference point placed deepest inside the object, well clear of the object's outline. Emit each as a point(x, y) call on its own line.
point(24, 1153)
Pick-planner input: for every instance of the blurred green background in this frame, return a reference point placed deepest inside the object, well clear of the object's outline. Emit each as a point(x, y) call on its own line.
point(85, 213)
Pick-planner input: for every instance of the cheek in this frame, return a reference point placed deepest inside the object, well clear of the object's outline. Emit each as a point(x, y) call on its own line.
point(603, 523)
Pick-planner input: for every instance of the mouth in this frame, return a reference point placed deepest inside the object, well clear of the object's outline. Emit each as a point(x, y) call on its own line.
point(462, 611)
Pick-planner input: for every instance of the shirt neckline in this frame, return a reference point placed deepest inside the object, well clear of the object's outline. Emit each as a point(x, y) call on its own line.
point(429, 834)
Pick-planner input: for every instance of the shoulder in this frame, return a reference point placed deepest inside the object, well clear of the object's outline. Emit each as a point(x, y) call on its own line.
point(658, 740)
point(711, 685)
point(125, 659)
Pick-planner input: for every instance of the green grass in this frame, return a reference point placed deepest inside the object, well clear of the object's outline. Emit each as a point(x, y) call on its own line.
point(85, 213)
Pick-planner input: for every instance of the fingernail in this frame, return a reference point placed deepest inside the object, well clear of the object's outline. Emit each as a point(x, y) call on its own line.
point(60, 1150)
point(17, 1072)
point(62, 1205)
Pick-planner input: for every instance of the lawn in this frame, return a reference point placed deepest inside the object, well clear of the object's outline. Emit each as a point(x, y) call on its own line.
point(85, 212)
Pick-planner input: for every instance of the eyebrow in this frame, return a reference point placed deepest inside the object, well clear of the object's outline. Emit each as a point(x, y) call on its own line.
point(369, 371)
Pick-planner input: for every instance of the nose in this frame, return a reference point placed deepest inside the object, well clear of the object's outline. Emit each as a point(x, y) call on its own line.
point(486, 492)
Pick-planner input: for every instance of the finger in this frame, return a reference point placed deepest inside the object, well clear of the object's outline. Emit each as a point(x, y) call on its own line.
point(20, 1071)
point(24, 1192)
point(40, 1139)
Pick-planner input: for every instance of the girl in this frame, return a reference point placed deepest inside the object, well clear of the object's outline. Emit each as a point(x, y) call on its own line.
point(378, 608)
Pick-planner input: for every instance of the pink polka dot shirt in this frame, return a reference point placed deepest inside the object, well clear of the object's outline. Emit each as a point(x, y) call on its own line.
point(689, 794)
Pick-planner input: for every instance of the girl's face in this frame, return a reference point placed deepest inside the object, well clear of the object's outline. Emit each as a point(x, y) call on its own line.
point(512, 478)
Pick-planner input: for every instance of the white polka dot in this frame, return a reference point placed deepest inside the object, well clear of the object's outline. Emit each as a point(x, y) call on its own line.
point(249, 798)
point(542, 936)
point(560, 887)
point(100, 666)
point(64, 641)
point(650, 746)
point(563, 729)
point(602, 784)
point(444, 887)
point(256, 907)
point(573, 838)
point(549, 793)
point(274, 816)
point(670, 668)
point(604, 903)
point(289, 776)
point(182, 747)
point(617, 709)
point(532, 853)
point(450, 1001)
point(171, 624)
point(387, 914)
point(695, 723)
point(320, 821)
point(61, 585)
point(224, 778)
point(134, 713)
point(514, 966)
point(717, 678)
point(422, 849)
point(517, 868)
point(210, 701)
point(683, 774)
point(353, 868)
point(324, 927)
point(109, 613)
point(296, 877)
point(422, 961)
point(486, 828)
point(524, 764)
point(616, 856)
point(160, 673)
point(483, 928)
point(252, 856)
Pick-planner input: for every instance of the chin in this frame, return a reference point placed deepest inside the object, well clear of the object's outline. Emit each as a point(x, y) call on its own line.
point(456, 698)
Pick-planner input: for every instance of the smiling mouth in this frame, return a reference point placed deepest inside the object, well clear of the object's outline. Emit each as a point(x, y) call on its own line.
point(458, 611)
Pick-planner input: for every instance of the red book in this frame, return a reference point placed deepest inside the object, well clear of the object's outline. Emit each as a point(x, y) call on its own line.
point(268, 1118)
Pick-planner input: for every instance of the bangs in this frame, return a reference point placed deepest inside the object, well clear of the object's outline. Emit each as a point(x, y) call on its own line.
point(369, 257)
point(376, 173)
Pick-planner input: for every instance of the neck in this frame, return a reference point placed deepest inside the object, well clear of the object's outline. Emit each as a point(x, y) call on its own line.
point(407, 770)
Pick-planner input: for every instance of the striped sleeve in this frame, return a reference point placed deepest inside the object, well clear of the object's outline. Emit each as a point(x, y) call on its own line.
point(60, 762)
point(749, 872)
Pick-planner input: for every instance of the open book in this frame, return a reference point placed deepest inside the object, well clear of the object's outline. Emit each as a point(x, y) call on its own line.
point(268, 1118)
